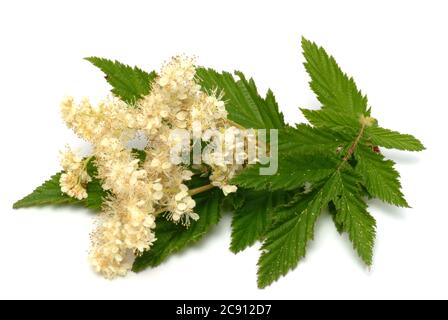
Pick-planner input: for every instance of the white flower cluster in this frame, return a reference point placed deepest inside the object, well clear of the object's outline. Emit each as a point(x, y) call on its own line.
point(75, 178)
point(139, 191)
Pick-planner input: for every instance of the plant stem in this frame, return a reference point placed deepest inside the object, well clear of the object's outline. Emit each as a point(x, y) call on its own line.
point(353, 146)
point(201, 189)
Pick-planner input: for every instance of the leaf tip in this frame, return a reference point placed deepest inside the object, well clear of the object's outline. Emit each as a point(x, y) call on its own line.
point(308, 45)
point(234, 249)
point(304, 41)
point(261, 284)
point(90, 59)
point(16, 205)
point(420, 146)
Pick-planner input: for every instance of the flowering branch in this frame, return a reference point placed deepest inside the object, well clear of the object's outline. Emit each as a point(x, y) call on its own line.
point(148, 199)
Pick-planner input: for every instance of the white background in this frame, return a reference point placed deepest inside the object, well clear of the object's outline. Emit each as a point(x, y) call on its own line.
point(396, 50)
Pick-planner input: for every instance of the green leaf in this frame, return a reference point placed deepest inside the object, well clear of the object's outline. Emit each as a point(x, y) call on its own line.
point(243, 103)
point(128, 83)
point(252, 218)
point(305, 140)
point(293, 172)
point(234, 200)
point(95, 195)
point(293, 228)
point(379, 176)
point(287, 240)
point(333, 88)
point(48, 193)
point(340, 186)
point(352, 217)
point(333, 119)
point(393, 140)
point(172, 238)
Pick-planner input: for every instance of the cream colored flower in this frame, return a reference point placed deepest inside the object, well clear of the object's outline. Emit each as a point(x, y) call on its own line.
point(75, 178)
point(71, 185)
point(139, 191)
point(227, 189)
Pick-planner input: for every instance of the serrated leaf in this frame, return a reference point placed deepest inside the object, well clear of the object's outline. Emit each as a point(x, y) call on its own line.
point(237, 199)
point(172, 238)
point(333, 88)
point(49, 193)
point(333, 119)
point(293, 172)
point(251, 219)
point(287, 240)
point(95, 195)
point(393, 140)
point(343, 106)
point(243, 103)
point(128, 83)
point(305, 139)
point(352, 217)
point(379, 176)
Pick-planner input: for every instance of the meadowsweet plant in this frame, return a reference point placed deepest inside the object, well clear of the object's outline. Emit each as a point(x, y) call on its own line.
point(213, 144)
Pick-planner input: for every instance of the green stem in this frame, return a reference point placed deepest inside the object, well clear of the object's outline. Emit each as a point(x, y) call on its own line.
point(201, 189)
point(353, 146)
